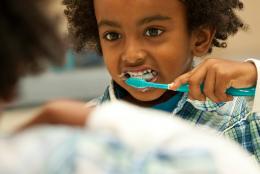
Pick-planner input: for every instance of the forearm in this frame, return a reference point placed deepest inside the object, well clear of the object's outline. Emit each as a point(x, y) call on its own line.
point(65, 112)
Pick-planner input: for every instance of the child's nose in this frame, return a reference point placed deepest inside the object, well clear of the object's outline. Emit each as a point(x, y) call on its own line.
point(134, 55)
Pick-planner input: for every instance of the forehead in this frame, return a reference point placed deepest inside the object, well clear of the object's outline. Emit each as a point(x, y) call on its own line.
point(134, 9)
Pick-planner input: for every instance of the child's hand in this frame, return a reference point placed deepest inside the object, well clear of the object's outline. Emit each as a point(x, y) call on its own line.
point(65, 112)
point(217, 75)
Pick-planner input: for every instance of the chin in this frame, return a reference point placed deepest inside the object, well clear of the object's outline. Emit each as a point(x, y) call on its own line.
point(150, 95)
point(146, 95)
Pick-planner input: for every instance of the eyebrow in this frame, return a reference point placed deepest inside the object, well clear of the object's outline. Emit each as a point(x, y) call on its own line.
point(153, 18)
point(140, 22)
point(108, 23)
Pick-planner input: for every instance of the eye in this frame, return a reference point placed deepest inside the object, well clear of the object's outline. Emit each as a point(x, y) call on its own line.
point(153, 32)
point(112, 36)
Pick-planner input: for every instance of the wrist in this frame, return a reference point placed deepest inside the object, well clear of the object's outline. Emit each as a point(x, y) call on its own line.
point(256, 103)
point(252, 69)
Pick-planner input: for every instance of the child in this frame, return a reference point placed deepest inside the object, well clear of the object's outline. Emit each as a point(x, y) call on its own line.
point(61, 149)
point(157, 41)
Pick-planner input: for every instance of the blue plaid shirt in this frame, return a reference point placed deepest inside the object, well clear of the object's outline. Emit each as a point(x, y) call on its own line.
point(233, 119)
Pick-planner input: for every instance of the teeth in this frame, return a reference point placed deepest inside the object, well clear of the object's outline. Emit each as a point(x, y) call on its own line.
point(154, 73)
point(146, 74)
point(147, 71)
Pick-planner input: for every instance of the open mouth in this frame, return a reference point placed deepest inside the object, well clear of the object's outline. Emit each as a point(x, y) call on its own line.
point(147, 74)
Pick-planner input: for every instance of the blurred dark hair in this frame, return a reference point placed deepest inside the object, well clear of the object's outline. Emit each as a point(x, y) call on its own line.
point(28, 42)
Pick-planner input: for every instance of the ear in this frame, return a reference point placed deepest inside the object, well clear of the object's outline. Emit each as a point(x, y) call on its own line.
point(201, 40)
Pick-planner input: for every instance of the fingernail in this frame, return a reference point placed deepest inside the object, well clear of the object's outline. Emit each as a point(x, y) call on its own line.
point(202, 98)
point(191, 98)
point(230, 98)
point(172, 85)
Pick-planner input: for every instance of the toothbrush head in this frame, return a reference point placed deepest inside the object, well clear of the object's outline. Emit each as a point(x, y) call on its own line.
point(136, 82)
point(141, 83)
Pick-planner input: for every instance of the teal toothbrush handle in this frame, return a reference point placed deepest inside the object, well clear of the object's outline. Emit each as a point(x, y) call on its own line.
point(241, 91)
point(183, 88)
point(158, 85)
point(231, 91)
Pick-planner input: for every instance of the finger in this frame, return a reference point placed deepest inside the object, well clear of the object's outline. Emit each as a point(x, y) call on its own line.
point(182, 79)
point(190, 97)
point(195, 82)
point(221, 85)
point(209, 86)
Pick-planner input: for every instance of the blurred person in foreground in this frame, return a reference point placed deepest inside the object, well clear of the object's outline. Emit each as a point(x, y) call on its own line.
point(110, 142)
point(28, 42)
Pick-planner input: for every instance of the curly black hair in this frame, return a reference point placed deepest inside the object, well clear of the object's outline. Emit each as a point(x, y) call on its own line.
point(219, 14)
point(28, 42)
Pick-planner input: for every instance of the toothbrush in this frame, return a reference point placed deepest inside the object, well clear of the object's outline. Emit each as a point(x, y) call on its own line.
point(141, 83)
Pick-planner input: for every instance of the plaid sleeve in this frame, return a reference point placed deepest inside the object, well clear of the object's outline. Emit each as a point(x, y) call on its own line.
point(247, 133)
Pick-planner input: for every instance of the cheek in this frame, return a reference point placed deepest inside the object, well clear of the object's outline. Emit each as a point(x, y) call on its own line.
point(174, 60)
point(111, 62)
point(109, 57)
point(108, 62)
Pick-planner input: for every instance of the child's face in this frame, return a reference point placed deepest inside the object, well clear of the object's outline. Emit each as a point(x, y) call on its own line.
point(144, 38)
